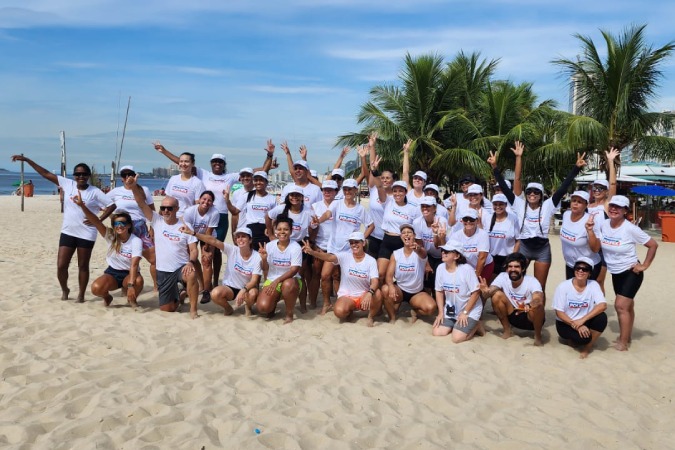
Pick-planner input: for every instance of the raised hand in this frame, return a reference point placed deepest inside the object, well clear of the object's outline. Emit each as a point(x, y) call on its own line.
point(345, 151)
point(406, 146)
point(492, 159)
point(482, 285)
point(275, 164)
point(158, 146)
point(303, 152)
point(590, 223)
point(519, 148)
point(284, 147)
point(375, 163)
point(581, 160)
point(434, 225)
point(362, 150)
point(78, 199)
point(612, 154)
point(262, 251)
point(306, 246)
point(19, 158)
point(372, 138)
point(270, 146)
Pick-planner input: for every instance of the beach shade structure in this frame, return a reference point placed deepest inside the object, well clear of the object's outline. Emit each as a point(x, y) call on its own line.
point(654, 190)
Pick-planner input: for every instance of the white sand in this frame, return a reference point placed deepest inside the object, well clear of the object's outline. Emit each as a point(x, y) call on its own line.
point(83, 376)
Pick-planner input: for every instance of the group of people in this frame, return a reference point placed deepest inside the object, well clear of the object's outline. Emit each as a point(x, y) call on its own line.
point(444, 257)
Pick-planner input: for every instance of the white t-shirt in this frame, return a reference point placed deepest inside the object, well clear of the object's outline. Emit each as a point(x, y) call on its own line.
point(618, 245)
point(395, 216)
point(483, 211)
point(311, 193)
point(577, 304)
point(281, 262)
point(73, 216)
point(187, 192)
point(355, 276)
point(254, 211)
point(409, 271)
point(425, 233)
point(473, 245)
point(132, 248)
point(171, 246)
point(239, 271)
point(457, 288)
point(377, 212)
point(124, 200)
point(531, 226)
point(238, 197)
point(414, 199)
point(600, 213)
point(346, 221)
point(503, 234)
point(325, 228)
point(199, 223)
point(217, 184)
point(522, 295)
point(574, 239)
point(300, 220)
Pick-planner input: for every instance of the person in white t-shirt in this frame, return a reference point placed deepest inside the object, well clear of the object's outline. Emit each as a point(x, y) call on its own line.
point(477, 202)
point(502, 228)
point(242, 272)
point(281, 260)
point(386, 179)
point(123, 258)
point(405, 278)
point(432, 190)
point(475, 243)
point(457, 296)
point(580, 306)
point(176, 252)
point(329, 189)
point(252, 208)
point(299, 170)
point(76, 234)
point(579, 235)
point(359, 280)
point(619, 239)
point(517, 298)
point(185, 187)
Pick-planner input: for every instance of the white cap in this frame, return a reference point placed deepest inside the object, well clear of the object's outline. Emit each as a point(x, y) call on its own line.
point(475, 189)
point(620, 200)
point(329, 184)
point(581, 194)
point(585, 260)
point(302, 163)
point(356, 236)
point(218, 156)
point(453, 246)
point(500, 198)
point(245, 230)
point(602, 183)
point(294, 190)
point(131, 168)
point(508, 183)
point(420, 174)
point(338, 172)
point(313, 173)
point(433, 187)
point(428, 201)
point(406, 225)
point(537, 186)
point(470, 212)
point(246, 170)
point(260, 173)
point(350, 183)
point(400, 183)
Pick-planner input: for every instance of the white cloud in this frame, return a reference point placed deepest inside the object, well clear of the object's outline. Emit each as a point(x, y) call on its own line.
point(293, 89)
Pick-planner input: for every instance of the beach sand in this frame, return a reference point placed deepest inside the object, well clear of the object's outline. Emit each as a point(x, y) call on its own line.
point(83, 376)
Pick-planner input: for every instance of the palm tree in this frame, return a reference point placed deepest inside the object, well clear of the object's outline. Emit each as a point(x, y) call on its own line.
point(615, 93)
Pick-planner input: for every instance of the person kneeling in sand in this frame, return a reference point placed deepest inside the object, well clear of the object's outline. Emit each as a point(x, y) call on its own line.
point(359, 280)
point(176, 253)
point(580, 308)
point(242, 272)
point(124, 255)
point(457, 296)
point(517, 298)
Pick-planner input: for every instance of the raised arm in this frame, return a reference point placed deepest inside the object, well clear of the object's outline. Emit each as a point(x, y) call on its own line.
point(269, 159)
point(161, 149)
point(205, 238)
point(363, 151)
point(611, 156)
point(518, 151)
point(289, 160)
point(328, 257)
point(374, 164)
point(405, 175)
point(139, 196)
point(44, 173)
point(562, 190)
point(91, 217)
point(372, 139)
point(492, 160)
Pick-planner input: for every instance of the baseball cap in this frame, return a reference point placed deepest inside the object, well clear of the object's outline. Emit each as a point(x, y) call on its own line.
point(294, 190)
point(475, 189)
point(400, 183)
point(508, 183)
point(313, 173)
point(581, 194)
point(420, 174)
point(329, 184)
point(620, 200)
point(302, 163)
point(356, 236)
point(350, 183)
point(218, 156)
point(537, 186)
point(500, 198)
point(602, 183)
point(452, 246)
point(338, 172)
point(246, 170)
point(428, 201)
point(130, 168)
point(244, 230)
point(585, 260)
point(433, 187)
point(260, 173)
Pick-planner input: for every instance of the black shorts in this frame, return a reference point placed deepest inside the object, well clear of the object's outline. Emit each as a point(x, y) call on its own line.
point(221, 229)
point(499, 264)
point(374, 246)
point(69, 241)
point(167, 284)
point(389, 245)
point(597, 323)
point(569, 272)
point(430, 278)
point(627, 283)
point(118, 275)
point(407, 296)
point(520, 320)
point(235, 290)
point(258, 235)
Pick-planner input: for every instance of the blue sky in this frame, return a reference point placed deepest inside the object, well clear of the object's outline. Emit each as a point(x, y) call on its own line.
point(224, 76)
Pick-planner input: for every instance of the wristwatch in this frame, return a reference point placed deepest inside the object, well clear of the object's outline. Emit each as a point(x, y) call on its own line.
point(465, 312)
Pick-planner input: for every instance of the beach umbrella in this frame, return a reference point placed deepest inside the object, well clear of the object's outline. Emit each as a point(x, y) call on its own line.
point(654, 190)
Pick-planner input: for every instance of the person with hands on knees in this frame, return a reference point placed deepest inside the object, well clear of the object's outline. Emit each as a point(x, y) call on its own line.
point(457, 296)
point(176, 253)
point(359, 282)
point(281, 261)
point(517, 298)
point(123, 257)
point(580, 308)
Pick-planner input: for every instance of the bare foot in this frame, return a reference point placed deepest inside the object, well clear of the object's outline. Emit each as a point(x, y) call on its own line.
point(288, 320)
point(228, 310)
point(271, 315)
point(312, 305)
point(620, 347)
point(392, 320)
point(107, 300)
point(123, 292)
point(413, 316)
point(64, 294)
point(480, 329)
point(371, 322)
point(585, 351)
point(133, 304)
point(193, 314)
point(80, 298)
point(247, 310)
point(506, 334)
point(538, 342)
point(303, 309)
point(326, 308)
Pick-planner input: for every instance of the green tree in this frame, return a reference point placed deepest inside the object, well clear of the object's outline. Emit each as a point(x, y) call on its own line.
point(614, 95)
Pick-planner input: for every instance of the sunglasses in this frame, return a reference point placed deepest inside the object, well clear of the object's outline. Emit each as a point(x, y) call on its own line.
point(119, 223)
point(532, 191)
point(599, 188)
point(468, 219)
point(80, 174)
point(217, 161)
point(166, 208)
point(582, 268)
point(464, 183)
point(355, 242)
point(127, 174)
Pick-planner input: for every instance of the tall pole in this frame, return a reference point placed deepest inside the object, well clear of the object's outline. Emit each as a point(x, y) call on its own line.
point(22, 193)
point(63, 163)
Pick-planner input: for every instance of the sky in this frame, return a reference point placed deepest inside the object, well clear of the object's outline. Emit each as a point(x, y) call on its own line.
point(214, 76)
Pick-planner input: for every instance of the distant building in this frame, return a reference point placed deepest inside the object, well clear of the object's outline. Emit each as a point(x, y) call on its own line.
point(165, 172)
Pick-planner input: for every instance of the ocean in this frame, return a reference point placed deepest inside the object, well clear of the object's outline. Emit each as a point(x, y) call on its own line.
point(10, 180)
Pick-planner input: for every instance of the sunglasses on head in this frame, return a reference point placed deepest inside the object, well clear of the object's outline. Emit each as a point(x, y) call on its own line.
point(582, 268)
point(532, 191)
point(120, 223)
point(80, 174)
point(166, 208)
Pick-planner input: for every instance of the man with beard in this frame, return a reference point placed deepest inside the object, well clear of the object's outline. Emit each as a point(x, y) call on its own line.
point(517, 299)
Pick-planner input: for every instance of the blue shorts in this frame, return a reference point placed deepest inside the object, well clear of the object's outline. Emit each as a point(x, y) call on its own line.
point(118, 275)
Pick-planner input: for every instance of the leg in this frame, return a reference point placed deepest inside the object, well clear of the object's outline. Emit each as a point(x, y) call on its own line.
point(207, 268)
point(251, 299)
point(326, 286)
point(313, 288)
point(149, 255)
point(221, 295)
point(306, 272)
point(375, 307)
point(441, 330)
point(83, 257)
point(391, 305)
point(267, 303)
point(289, 292)
point(382, 264)
point(344, 306)
point(503, 307)
point(192, 284)
point(541, 274)
point(601, 278)
point(138, 287)
point(102, 286)
point(625, 312)
point(423, 304)
point(62, 262)
point(537, 316)
point(217, 263)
